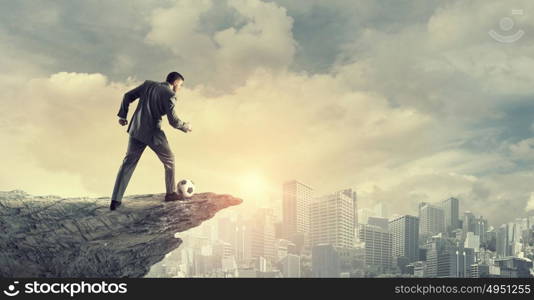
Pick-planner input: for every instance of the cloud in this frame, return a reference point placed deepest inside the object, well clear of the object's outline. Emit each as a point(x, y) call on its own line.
point(259, 36)
point(447, 65)
point(523, 150)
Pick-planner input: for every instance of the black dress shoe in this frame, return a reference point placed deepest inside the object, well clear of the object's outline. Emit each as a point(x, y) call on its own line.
point(114, 204)
point(172, 197)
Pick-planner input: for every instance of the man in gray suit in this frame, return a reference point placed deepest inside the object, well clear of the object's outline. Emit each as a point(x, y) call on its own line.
point(156, 99)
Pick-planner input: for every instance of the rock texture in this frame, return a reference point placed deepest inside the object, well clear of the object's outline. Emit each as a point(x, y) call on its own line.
point(50, 236)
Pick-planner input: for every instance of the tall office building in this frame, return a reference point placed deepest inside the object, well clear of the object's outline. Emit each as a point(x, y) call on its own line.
point(296, 210)
point(377, 244)
point(515, 235)
point(503, 242)
point(405, 237)
point(451, 211)
point(259, 233)
point(354, 197)
point(325, 261)
point(332, 220)
point(469, 222)
point(431, 220)
point(481, 228)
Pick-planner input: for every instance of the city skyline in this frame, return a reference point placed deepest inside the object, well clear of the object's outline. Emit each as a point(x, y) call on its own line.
point(398, 245)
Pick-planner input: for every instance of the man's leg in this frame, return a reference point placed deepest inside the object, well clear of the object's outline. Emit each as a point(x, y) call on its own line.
point(164, 153)
point(135, 149)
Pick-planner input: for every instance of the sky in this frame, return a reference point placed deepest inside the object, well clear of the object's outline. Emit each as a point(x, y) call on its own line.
point(403, 101)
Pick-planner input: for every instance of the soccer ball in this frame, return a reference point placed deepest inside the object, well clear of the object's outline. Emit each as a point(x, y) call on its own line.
point(186, 188)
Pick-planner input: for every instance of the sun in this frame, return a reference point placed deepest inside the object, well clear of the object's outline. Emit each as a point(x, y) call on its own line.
point(253, 184)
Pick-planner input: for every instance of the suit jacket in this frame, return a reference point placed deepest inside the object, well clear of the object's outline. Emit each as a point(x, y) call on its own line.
point(155, 100)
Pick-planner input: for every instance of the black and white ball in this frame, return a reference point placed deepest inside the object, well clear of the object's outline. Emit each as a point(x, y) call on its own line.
point(186, 188)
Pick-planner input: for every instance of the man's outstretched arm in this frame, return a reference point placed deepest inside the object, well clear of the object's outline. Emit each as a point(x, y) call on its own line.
point(174, 121)
point(128, 98)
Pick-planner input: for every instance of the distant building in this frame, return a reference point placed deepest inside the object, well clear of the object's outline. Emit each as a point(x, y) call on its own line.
point(503, 247)
point(451, 208)
point(283, 248)
point(469, 223)
point(332, 220)
point(417, 269)
point(352, 194)
point(480, 271)
point(296, 204)
point(325, 261)
point(378, 246)
point(259, 236)
point(431, 220)
point(405, 237)
point(481, 228)
point(516, 236)
point(445, 259)
point(514, 267)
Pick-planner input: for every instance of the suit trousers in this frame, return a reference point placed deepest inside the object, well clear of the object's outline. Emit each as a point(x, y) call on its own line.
point(133, 154)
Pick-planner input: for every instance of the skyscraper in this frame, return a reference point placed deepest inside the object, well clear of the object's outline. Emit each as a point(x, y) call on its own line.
point(405, 237)
point(353, 195)
point(296, 215)
point(503, 242)
point(378, 243)
point(431, 219)
point(481, 228)
point(451, 211)
point(515, 235)
point(332, 220)
point(259, 232)
point(469, 223)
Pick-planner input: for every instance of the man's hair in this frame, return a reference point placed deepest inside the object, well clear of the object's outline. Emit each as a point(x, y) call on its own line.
point(174, 76)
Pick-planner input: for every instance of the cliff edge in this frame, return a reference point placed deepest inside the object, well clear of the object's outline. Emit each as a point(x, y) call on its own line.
point(50, 236)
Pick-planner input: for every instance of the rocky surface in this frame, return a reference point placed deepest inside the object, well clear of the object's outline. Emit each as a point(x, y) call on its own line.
point(50, 236)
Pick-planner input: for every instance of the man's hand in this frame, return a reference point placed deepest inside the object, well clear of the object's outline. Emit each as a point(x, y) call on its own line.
point(123, 122)
point(187, 127)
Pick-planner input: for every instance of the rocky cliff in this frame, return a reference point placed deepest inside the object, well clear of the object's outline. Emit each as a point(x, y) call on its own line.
point(50, 236)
